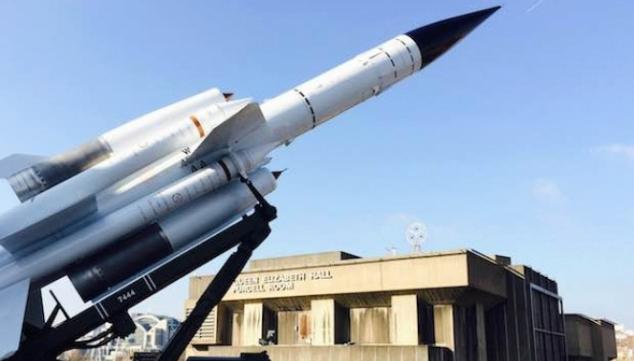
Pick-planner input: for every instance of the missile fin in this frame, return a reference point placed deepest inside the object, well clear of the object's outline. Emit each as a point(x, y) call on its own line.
point(16, 162)
point(16, 240)
point(230, 131)
point(12, 308)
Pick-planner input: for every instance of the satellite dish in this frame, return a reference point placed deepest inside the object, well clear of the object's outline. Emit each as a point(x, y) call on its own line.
point(416, 234)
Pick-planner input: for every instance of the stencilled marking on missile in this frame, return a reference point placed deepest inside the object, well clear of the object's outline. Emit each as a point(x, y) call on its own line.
point(170, 199)
point(201, 130)
point(103, 308)
point(149, 287)
point(411, 55)
point(149, 278)
point(99, 312)
point(102, 311)
point(391, 61)
point(177, 198)
point(148, 283)
point(126, 295)
point(310, 106)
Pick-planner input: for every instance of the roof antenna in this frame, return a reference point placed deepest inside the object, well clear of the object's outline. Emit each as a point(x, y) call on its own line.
point(416, 234)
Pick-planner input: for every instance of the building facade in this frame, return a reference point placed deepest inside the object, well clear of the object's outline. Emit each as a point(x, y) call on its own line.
point(459, 305)
point(590, 339)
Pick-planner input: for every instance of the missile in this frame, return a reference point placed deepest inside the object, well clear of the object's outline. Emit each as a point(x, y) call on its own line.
point(312, 103)
point(46, 173)
point(74, 199)
point(51, 256)
point(166, 236)
point(150, 189)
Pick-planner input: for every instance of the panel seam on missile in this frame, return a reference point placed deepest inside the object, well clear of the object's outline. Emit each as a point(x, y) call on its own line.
point(310, 106)
point(411, 55)
point(391, 61)
point(225, 169)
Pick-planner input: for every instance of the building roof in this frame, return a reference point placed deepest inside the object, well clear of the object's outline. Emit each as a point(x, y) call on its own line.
point(437, 276)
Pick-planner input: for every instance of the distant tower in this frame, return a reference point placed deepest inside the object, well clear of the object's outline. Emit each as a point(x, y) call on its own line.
point(415, 234)
point(391, 251)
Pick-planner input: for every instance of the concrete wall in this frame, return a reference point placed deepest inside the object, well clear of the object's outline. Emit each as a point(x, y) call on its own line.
point(462, 330)
point(293, 327)
point(370, 325)
point(237, 317)
point(322, 322)
point(404, 320)
point(444, 326)
point(336, 353)
point(252, 326)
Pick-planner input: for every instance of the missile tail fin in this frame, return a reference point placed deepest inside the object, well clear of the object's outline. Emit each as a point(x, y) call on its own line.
point(16, 162)
point(241, 123)
point(13, 301)
point(15, 239)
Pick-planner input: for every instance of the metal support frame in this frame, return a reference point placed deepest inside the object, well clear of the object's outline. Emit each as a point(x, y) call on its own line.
point(49, 342)
point(536, 330)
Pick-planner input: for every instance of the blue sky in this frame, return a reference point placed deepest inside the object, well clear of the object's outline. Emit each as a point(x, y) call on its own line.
point(520, 141)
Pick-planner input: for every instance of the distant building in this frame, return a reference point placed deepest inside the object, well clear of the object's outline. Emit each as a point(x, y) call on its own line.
point(590, 339)
point(460, 306)
point(624, 343)
point(151, 334)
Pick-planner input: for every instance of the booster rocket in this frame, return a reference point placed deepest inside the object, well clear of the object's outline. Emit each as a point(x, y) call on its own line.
point(114, 206)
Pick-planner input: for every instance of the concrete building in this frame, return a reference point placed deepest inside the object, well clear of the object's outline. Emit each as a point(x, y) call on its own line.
point(459, 305)
point(590, 339)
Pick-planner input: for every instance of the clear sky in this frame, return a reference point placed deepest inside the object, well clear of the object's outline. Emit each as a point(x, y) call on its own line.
point(520, 141)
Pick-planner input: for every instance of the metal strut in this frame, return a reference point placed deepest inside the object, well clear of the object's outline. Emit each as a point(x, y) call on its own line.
point(221, 282)
point(248, 233)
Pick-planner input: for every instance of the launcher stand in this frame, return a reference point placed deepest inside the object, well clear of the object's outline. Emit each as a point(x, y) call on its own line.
point(47, 343)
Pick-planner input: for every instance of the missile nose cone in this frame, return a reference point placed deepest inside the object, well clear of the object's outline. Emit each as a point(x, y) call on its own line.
point(435, 39)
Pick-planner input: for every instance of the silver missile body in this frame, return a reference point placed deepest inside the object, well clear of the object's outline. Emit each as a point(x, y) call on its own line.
point(30, 176)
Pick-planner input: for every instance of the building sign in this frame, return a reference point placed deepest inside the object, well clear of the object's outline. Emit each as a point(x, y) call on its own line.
point(277, 282)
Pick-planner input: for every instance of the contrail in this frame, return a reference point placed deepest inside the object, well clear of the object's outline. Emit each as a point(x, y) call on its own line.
point(535, 6)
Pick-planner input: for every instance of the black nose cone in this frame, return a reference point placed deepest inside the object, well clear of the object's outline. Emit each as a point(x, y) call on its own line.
point(435, 39)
